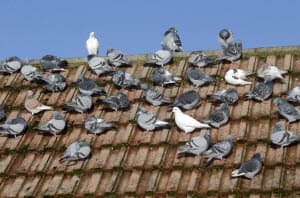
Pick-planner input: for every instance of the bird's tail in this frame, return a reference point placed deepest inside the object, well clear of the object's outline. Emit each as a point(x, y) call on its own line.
point(100, 91)
point(162, 124)
point(45, 107)
point(236, 173)
point(68, 107)
point(205, 124)
point(244, 82)
point(214, 97)
point(249, 96)
point(208, 161)
point(283, 71)
point(63, 158)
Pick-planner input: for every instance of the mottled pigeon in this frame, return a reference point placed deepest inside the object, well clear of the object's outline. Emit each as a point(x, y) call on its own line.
point(171, 41)
point(153, 96)
point(13, 127)
point(98, 65)
point(53, 63)
point(117, 102)
point(229, 96)
point(287, 110)
point(198, 77)
point(163, 77)
point(54, 82)
point(55, 125)
point(97, 126)
point(200, 59)
point(80, 103)
point(232, 53)
point(125, 80)
point(219, 117)
point(261, 91)
point(117, 58)
point(282, 137)
point(92, 44)
point(78, 150)
point(187, 100)
point(160, 57)
point(148, 121)
point(89, 87)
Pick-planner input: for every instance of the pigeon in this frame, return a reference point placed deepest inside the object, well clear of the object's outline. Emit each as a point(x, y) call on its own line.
point(219, 117)
point(54, 82)
point(97, 126)
point(55, 125)
point(232, 53)
point(33, 105)
point(89, 87)
point(261, 91)
point(198, 77)
point(80, 103)
point(294, 95)
point(196, 146)
point(218, 150)
point(53, 63)
point(125, 80)
point(225, 37)
point(119, 101)
point(271, 72)
point(98, 65)
point(187, 100)
point(2, 113)
point(171, 41)
point(148, 121)
point(163, 77)
point(229, 96)
point(13, 126)
point(11, 65)
point(282, 137)
point(237, 77)
point(117, 58)
point(92, 44)
point(78, 150)
point(153, 96)
point(287, 110)
point(200, 59)
point(160, 57)
point(250, 168)
point(31, 73)
point(186, 122)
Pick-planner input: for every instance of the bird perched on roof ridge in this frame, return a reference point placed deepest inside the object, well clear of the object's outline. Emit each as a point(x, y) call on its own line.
point(225, 37)
point(171, 41)
point(160, 57)
point(31, 73)
point(33, 105)
point(11, 65)
point(117, 58)
point(53, 63)
point(200, 59)
point(99, 65)
point(92, 44)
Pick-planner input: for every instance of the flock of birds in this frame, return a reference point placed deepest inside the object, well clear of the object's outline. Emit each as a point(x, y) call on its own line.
point(52, 81)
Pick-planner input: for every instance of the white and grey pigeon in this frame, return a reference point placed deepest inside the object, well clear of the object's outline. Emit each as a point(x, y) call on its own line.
point(89, 87)
point(232, 53)
point(250, 168)
point(171, 41)
point(225, 37)
point(187, 100)
point(294, 95)
point(163, 77)
point(96, 125)
point(92, 44)
point(118, 102)
point(148, 121)
point(271, 72)
point(186, 122)
point(125, 80)
point(13, 127)
point(198, 77)
point(262, 91)
point(78, 150)
point(53, 63)
point(287, 110)
point(80, 103)
point(2, 113)
point(31, 73)
point(282, 137)
point(237, 77)
point(153, 96)
point(117, 58)
point(32, 104)
point(99, 65)
point(229, 96)
point(219, 117)
point(196, 146)
point(160, 57)
point(218, 150)
point(54, 82)
point(55, 125)
point(200, 59)
point(11, 65)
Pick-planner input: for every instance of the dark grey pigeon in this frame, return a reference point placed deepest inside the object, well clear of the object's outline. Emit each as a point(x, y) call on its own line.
point(54, 82)
point(218, 150)
point(117, 102)
point(89, 87)
point(125, 80)
point(31, 73)
point(225, 37)
point(160, 57)
point(229, 96)
point(219, 117)
point(200, 59)
point(153, 96)
point(80, 103)
point(198, 77)
point(2, 113)
point(99, 65)
point(232, 53)
point(196, 146)
point(261, 91)
point(97, 126)
point(287, 110)
point(294, 95)
point(13, 127)
point(171, 41)
point(250, 168)
point(148, 121)
point(187, 100)
point(11, 65)
point(55, 125)
point(78, 150)
point(117, 58)
point(53, 63)
point(282, 137)
point(163, 77)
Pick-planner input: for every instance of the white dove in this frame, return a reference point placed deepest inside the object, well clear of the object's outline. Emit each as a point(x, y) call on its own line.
point(92, 44)
point(237, 77)
point(270, 71)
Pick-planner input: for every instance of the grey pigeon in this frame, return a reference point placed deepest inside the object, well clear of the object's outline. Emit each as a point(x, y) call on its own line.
point(13, 126)
point(229, 96)
point(163, 77)
point(78, 150)
point(11, 65)
point(117, 58)
point(30, 73)
point(55, 125)
point(196, 146)
point(218, 150)
point(250, 168)
point(89, 87)
point(225, 37)
point(97, 126)
point(261, 91)
point(153, 96)
point(148, 121)
point(198, 77)
point(54, 82)
point(119, 101)
point(282, 137)
point(125, 80)
point(200, 59)
point(160, 57)
point(53, 63)
point(270, 71)
point(99, 65)
point(2, 113)
point(187, 100)
point(219, 117)
point(294, 95)
point(287, 110)
point(232, 53)
point(171, 41)
point(80, 103)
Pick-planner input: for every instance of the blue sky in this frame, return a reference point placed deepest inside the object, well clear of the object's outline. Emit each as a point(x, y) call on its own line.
point(33, 28)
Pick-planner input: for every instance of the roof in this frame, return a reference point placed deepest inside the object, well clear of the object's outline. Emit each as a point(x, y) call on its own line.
point(130, 162)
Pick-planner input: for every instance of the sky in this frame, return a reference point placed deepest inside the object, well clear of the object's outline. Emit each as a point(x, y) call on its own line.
point(33, 28)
